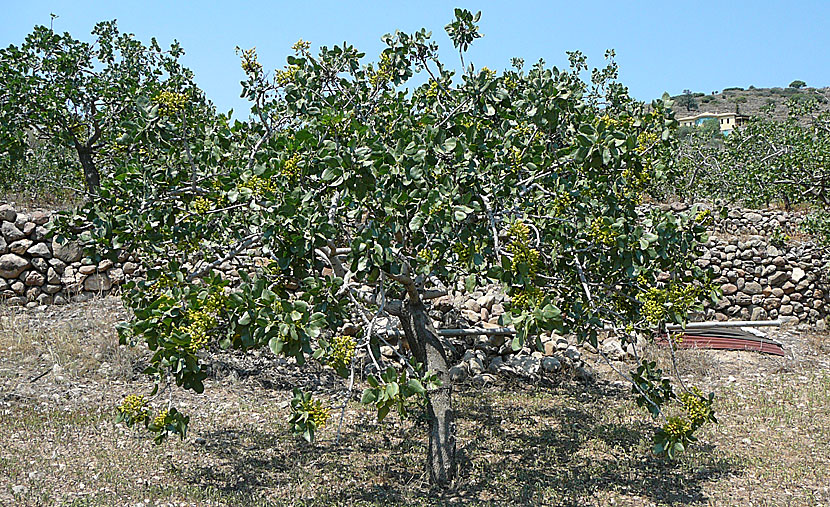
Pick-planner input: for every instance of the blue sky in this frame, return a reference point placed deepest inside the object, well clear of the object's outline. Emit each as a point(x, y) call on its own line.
point(661, 46)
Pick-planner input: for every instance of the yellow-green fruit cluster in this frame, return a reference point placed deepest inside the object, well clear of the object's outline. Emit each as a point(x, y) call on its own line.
point(249, 62)
point(384, 72)
point(428, 255)
point(342, 351)
point(610, 122)
point(488, 73)
point(464, 251)
point(518, 232)
point(291, 168)
point(203, 320)
point(160, 418)
point(170, 103)
point(259, 186)
point(288, 75)
point(561, 203)
point(301, 46)
point(656, 301)
point(515, 157)
point(318, 415)
point(432, 90)
point(704, 217)
point(527, 297)
point(201, 205)
point(601, 233)
point(696, 406)
point(134, 406)
point(524, 255)
point(677, 427)
point(510, 83)
point(645, 140)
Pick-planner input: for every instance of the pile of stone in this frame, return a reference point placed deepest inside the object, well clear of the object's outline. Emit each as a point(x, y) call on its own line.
point(479, 358)
point(36, 269)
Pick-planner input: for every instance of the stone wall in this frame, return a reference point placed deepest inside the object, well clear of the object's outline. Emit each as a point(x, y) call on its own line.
point(763, 272)
point(35, 269)
point(760, 280)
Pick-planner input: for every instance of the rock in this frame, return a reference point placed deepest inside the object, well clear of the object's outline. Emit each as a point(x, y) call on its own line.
point(551, 364)
point(797, 275)
point(130, 268)
point(34, 279)
point(52, 289)
point(97, 282)
point(729, 289)
point(753, 288)
point(39, 233)
point(495, 365)
point(20, 246)
point(612, 348)
point(584, 373)
point(12, 265)
point(572, 353)
point(821, 325)
point(39, 250)
point(524, 366)
point(28, 228)
point(7, 213)
point(69, 251)
point(4, 247)
point(11, 232)
point(40, 217)
point(87, 270)
point(778, 278)
point(458, 373)
point(18, 287)
point(483, 379)
point(105, 265)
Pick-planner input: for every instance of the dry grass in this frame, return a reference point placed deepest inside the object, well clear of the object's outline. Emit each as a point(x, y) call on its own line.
point(554, 443)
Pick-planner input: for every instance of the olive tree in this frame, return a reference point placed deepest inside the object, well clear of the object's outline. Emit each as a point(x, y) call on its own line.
point(79, 95)
point(350, 197)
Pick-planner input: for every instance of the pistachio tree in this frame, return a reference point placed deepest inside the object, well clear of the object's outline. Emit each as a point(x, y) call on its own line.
point(74, 95)
point(353, 194)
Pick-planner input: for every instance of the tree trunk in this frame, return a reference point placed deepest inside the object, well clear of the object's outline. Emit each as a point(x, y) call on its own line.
point(428, 350)
point(91, 177)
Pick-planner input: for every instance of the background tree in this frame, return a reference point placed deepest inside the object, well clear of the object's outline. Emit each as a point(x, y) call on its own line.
point(798, 84)
point(687, 100)
point(78, 95)
point(354, 198)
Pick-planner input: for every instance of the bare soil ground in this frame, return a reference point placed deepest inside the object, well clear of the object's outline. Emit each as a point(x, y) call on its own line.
point(553, 442)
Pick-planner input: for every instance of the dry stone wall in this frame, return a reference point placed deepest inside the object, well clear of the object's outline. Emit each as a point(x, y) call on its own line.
point(763, 272)
point(760, 280)
point(35, 269)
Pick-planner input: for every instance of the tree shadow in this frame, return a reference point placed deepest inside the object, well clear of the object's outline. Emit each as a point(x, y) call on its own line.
point(532, 450)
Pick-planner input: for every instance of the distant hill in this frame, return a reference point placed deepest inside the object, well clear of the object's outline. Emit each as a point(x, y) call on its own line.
point(749, 101)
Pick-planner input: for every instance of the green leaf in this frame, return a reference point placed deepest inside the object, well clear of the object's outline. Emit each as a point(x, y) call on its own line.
point(369, 396)
point(276, 345)
point(415, 386)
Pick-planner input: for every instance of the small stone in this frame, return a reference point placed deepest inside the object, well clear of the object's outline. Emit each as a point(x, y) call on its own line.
point(729, 289)
point(778, 278)
point(39, 250)
point(12, 265)
point(458, 373)
point(551, 364)
point(52, 289)
point(11, 232)
point(40, 217)
point(797, 275)
point(28, 228)
point(87, 270)
point(69, 251)
point(33, 278)
point(104, 265)
point(7, 213)
point(20, 246)
point(97, 282)
point(753, 288)
point(130, 268)
point(483, 379)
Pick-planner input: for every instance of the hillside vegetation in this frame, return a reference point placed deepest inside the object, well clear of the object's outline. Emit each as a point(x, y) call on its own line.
point(750, 101)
